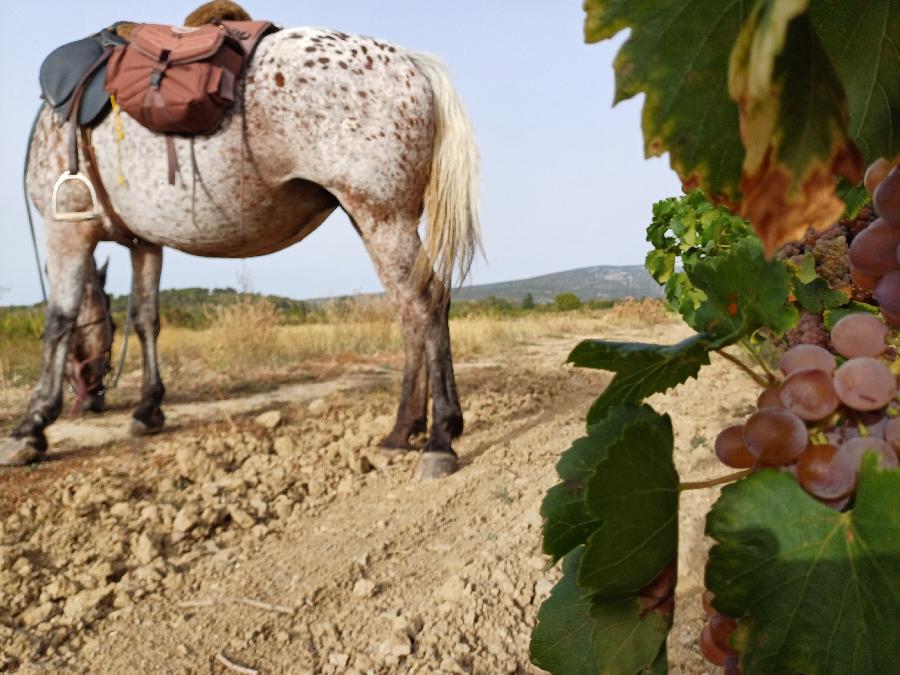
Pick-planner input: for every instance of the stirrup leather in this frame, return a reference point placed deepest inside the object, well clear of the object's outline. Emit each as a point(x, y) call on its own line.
point(74, 216)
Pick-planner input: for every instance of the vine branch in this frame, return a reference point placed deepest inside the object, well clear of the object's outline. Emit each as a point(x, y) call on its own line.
point(759, 379)
point(713, 482)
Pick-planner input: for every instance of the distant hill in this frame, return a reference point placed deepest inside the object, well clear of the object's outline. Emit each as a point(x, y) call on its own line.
point(606, 281)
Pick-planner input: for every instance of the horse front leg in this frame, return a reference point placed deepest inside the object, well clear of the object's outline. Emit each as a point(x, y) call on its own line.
point(70, 249)
point(146, 263)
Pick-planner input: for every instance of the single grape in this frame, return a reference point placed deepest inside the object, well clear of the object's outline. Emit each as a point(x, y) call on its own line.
point(859, 334)
point(809, 394)
point(823, 473)
point(886, 197)
point(865, 384)
point(769, 398)
point(720, 629)
point(707, 599)
point(887, 293)
point(875, 174)
point(865, 281)
point(854, 449)
point(892, 433)
point(874, 250)
point(710, 650)
point(730, 448)
point(775, 436)
point(807, 356)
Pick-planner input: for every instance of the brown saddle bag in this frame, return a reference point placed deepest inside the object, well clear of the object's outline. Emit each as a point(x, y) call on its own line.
point(177, 80)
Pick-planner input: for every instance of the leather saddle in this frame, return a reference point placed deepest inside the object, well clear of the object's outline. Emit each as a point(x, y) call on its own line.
point(71, 65)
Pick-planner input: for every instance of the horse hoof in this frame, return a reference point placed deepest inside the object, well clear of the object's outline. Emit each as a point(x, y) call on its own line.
point(434, 465)
point(140, 429)
point(19, 451)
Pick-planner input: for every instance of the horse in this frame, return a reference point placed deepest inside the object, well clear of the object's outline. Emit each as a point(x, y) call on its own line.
point(89, 359)
point(325, 120)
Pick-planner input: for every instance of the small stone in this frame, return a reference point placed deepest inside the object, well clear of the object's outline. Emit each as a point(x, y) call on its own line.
point(452, 590)
point(365, 588)
point(339, 660)
point(396, 645)
point(270, 419)
point(145, 550)
point(22, 567)
point(284, 446)
point(84, 602)
point(40, 613)
point(241, 518)
point(282, 637)
point(319, 405)
point(186, 518)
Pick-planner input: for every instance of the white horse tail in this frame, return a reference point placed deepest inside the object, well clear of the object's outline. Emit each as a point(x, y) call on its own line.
point(451, 196)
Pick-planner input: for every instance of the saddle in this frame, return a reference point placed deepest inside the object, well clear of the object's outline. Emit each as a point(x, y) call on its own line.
point(172, 80)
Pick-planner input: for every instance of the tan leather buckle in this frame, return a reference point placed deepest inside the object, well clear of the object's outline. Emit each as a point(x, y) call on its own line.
point(74, 216)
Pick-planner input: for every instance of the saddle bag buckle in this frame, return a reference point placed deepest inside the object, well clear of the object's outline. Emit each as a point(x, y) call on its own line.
point(74, 216)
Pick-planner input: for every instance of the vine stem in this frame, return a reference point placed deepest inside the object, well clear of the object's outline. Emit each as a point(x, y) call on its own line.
point(713, 482)
point(761, 361)
point(759, 379)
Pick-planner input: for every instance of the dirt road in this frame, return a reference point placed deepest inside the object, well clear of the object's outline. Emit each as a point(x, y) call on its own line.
point(288, 543)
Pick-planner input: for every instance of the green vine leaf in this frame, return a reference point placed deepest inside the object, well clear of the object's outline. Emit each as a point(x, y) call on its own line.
point(677, 55)
point(781, 559)
point(745, 292)
point(641, 369)
point(634, 493)
point(576, 635)
point(793, 124)
point(861, 40)
point(567, 522)
point(832, 316)
point(817, 296)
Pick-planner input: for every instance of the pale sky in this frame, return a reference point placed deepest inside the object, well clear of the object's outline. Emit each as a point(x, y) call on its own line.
point(564, 182)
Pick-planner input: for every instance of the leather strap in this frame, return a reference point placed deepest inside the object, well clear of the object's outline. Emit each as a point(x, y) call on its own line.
point(126, 236)
point(172, 158)
point(76, 105)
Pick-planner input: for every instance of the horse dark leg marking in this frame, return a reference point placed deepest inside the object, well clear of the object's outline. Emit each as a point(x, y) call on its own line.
point(412, 413)
point(395, 247)
point(146, 262)
point(70, 247)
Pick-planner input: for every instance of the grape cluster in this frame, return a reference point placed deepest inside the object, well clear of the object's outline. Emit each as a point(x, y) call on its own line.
point(810, 330)
point(875, 253)
point(825, 414)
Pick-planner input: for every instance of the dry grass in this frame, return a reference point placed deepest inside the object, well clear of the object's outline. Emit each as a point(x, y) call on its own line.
point(247, 342)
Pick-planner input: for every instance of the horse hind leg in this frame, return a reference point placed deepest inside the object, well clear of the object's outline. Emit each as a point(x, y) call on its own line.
point(146, 263)
point(70, 249)
point(394, 246)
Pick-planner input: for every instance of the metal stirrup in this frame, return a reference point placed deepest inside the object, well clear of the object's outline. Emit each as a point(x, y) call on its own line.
point(74, 216)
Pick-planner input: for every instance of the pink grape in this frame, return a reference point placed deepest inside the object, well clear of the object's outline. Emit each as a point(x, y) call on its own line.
point(874, 250)
point(807, 356)
point(769, 398)
point(823, 474)
point(720, 629)
point(775, 436)
point(865, 384)
point(730, 448)
point(710, 650)
point(886, 197)
point(892, 433)
point(859, 334)
point(854, 450)
point(875, 174)
point(809, 394)
point(887, 293)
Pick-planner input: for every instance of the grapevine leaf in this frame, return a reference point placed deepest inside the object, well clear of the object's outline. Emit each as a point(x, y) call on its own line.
point(641, 369)
point(793, 114)
point(806, 270)
point(661, 265)
point(634, 492)
point(832, 316)
point(576, 635)
point(817, 296)
point(861, 40)
point(677, 55)
point(855, 198)
point(567, 522)
point(563, 639)
point(781, 557)
point(745, 292)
